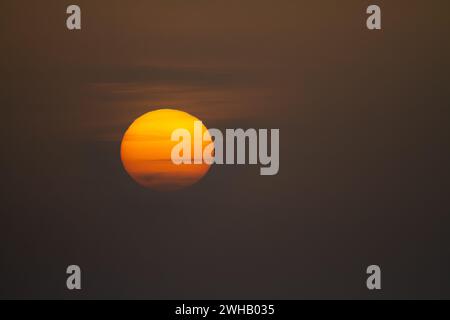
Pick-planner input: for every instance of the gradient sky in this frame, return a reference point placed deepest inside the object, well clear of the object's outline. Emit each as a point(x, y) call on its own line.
point(364, 176)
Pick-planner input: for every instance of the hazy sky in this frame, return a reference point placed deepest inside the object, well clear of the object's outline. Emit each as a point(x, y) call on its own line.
point(364, 176)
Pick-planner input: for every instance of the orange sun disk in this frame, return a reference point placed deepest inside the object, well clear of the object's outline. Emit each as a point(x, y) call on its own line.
point(146, 151)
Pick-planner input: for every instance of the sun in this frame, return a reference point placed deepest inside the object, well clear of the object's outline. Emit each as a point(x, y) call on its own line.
point(146, 151)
